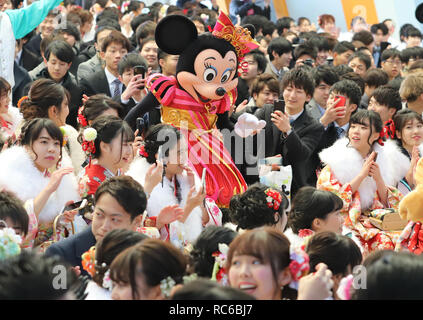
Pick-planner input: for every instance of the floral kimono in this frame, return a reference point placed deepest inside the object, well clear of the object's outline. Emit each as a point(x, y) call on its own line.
point(343, 164)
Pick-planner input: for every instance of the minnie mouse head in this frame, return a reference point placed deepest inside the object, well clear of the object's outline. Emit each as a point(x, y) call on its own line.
point(208, 63)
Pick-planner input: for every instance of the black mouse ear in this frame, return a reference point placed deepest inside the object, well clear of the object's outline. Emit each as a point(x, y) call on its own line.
point(251, 28)
point(419, 13)
point(174, 33)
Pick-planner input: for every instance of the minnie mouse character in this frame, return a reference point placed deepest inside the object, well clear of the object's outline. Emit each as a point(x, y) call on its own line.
point(198, 99)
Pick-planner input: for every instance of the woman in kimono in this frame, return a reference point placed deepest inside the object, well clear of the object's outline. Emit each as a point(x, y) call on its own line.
point(363, 170)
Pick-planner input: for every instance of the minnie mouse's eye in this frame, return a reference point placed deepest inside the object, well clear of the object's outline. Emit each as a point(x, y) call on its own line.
point(226, 75)
point(210, 74)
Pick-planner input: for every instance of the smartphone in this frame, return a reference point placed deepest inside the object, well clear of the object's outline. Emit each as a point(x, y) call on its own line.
point(308, 62)
point(279, 105)
point(375, 157)
point(140, 126)
point(342, 101)
point(140, 70)
point(76, 205)
point(203, 179)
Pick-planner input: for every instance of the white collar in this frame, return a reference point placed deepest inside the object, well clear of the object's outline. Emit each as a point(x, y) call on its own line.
point(345, 126)
point(274, 68)
point(295, 116)
point(110, 77)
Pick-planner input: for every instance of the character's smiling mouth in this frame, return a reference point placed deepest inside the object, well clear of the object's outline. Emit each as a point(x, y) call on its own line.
point(204, 100)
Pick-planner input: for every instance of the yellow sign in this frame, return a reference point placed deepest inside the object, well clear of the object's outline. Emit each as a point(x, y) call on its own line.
point(363, 8)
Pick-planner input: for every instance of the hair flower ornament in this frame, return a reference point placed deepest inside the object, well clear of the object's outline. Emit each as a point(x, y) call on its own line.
point(219, 271)
point(21, 100)
point(142, 152)
point(88, 261)
point(299, 265)
point(107, 281)
point(274, 198)
point(166, 286)
point(81, 118)
point(89, 135)
point(9, 242)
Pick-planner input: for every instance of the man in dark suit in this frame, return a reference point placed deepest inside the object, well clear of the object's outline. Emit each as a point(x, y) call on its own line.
point(294, 133)
point(24, 57)
point(106, 81)
point(22, 79)
point(119, 204)
point(58, 59)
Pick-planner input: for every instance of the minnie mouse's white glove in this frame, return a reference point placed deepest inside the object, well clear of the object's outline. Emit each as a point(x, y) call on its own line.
point(247, 124)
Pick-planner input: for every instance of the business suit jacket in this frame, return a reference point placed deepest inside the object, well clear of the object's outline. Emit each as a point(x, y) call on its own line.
point(125, 106)
point(29, 60)
point(72, 248)
point(296, 149)
point(22, 79)
point(313, 110)
point(95, 84)
point(89, 67)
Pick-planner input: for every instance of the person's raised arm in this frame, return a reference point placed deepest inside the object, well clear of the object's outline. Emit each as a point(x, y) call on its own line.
point(147, 104)
point(26, 19)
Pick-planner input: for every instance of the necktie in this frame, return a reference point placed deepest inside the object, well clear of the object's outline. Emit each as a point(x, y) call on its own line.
point(116, 84)
point(339, 131)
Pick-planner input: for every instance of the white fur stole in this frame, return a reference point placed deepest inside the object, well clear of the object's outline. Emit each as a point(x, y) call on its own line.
point(19, 175)
point(346, 163)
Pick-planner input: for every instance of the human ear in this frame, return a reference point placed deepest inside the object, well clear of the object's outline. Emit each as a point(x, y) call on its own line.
point(52, 112)
point(316, 224)
point(353, 107)
point(398, 134)
point(102, 55)
point(136, 222)
point(104, 147)
point(284, 277)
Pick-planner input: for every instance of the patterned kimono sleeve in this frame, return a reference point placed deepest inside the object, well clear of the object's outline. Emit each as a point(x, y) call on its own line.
point(328, 182)
point(394, 198)
point(28, 241)
point(214, 213)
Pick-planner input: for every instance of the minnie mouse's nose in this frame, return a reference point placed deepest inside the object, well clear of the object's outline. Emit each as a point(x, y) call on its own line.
point(220, 91)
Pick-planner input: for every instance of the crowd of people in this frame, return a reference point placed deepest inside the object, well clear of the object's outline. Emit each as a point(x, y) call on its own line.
point(118, 161)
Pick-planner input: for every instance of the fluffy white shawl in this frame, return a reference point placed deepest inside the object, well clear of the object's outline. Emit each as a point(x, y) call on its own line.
point(161, 197)
point(16, 117)
point(76, 153)
point(20, 176)
point(346, 163)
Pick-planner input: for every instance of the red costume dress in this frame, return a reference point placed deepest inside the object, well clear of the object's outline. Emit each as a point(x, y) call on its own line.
point(197, 121)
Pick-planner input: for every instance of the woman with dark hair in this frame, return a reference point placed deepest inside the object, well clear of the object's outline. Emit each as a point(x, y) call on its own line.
point(338, 252)
point(180, 187)
point(314, 211)
point(96, 106)
point(142, 271)
point(391, 276)
point(10, 117)
point(207, 243)
point(113, 243)
point(406, 129)
point(259, 206)
point(259, 264)
point(108, 143)
point(363, 171)
point(48, 99)
point(27, 173)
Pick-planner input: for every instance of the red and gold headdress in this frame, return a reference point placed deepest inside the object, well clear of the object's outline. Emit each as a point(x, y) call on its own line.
point(238, 36)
